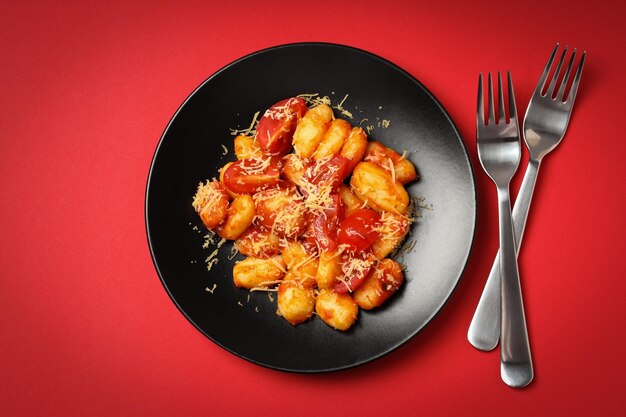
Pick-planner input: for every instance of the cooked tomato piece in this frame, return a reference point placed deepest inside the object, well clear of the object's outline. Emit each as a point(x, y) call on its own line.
point(355, 267)
point(323, 224)
point(274, 131)
point(359, 229)
point(328, 171)
point(250, 175)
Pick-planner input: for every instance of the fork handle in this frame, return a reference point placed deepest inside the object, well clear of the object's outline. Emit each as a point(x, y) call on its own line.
point(484, 330)
point(516, 367)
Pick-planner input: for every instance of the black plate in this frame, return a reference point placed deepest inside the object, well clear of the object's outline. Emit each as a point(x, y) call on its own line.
point(191, 150)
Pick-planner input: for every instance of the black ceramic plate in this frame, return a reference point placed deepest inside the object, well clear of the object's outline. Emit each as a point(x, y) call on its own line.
point(191, 150)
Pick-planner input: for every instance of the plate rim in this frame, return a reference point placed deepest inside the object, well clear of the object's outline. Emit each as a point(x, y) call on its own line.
point(392, 66)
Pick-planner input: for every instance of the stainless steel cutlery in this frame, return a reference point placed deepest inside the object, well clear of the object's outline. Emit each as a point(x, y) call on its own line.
point(545, 124)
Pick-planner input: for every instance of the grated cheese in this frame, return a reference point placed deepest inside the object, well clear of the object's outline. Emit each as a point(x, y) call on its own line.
point(205, 194)
point(250, 131)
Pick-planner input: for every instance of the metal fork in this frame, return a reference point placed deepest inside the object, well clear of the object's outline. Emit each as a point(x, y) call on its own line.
point(499, 151)
point(544, 126)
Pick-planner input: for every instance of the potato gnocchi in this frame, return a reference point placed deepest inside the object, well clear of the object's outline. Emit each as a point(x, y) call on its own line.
point(316, 208)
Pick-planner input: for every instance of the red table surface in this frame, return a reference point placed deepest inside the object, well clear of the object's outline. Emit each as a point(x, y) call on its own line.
point(86, 91)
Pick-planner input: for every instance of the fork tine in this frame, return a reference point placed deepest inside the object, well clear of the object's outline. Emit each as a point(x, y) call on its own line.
point(579, 71)
point(546, 71)
point(490, 113)
point(555, 76)
point(559, 94)
point(480, 108)
point(501, 113)
point(512, 106)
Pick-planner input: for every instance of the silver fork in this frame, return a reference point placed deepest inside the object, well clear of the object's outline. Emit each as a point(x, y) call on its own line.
point(544, 127)
point(499, 151)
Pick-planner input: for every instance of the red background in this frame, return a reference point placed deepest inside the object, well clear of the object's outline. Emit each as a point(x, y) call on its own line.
point(86, 90)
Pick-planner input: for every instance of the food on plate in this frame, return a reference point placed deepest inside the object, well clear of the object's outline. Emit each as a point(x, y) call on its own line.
point(239, 216)
point(354, 147)
point(211, 203)
point(403, 170)
point(296, 301)
point(384, 280)
point(316, 208)
point(311, 129)
point(258, 272)
point(337, 310)
point(333, 139)
point(379, 189)
point(247, 147)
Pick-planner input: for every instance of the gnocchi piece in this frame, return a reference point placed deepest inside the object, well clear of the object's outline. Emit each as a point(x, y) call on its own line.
point(239, 218)
point(211, 203)
point(386, 278)
point(300, 264)
point(281, 210)
point(373, 185)
point(222, 170)
point(337, 310)
point(354, 147)
point(247, 147)
point(295, 301)
point(307, 281)
point(311, 129)
point(257, 242)
point(333, 139)
point(350, 201)
point(294, 168)
point(328, 269)
point(257, 272)
point(390, 160)
point(393, 228)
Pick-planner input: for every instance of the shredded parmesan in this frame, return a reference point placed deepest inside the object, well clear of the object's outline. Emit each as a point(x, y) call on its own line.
point(266, 286)
point(392, 170)
point(304, 261)
point(250, 131)
point(315, 99)
point(206, 194)
point(314, 195)
point(256, 165)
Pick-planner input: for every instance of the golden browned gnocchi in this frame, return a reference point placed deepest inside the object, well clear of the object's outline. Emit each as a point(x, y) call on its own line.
point(354, 147)
point(258, 243)
point(316, 208)
point(393, 229)
point(257, 272)
point(239, 217)
point(328, 269)
point(350, 201)
point(403, 170)
point(296, 301)
point(211, 203)
point(337, 310)
point(333, 139)
point(300, 264)
point(311, 129)
point(246, 147)
point(384, 280)
point(375, 186)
